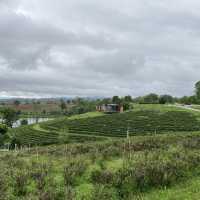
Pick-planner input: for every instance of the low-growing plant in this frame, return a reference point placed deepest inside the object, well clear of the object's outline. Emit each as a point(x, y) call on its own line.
point(72, 170)
point(70, 193)
point(102, 192)
point(39, 173)
point(52, 191)
point(3, 184)
point(102, 176)
point(20, 182)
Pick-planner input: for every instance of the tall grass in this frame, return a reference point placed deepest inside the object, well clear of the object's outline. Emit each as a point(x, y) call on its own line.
point(118, 169)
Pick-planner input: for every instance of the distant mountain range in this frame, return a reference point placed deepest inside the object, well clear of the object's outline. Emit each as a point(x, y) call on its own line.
point(3, 99)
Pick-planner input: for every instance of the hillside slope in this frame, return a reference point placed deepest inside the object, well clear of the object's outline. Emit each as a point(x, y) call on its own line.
point(153, 119)
point(144, 167)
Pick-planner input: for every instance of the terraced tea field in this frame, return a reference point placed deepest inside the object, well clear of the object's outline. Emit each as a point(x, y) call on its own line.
point(31, 135)
point(141, 121)
point(160, 161)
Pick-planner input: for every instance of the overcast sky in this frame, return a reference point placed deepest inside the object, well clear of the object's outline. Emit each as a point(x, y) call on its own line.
point(98, 47)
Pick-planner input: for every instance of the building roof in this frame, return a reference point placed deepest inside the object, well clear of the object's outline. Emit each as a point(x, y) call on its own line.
point(112, 104)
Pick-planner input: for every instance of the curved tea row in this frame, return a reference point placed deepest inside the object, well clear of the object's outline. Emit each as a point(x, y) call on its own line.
point(113, 125)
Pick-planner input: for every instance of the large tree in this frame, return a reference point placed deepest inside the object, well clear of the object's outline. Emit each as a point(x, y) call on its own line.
point(3, 130)
point(197, 89)
point(16, 103)
point(128, 98)
point(63, 105)
point(188, 100)
point(151, 98)
point(116, 100)
point(105, 101)
point(163, 99)
point(9, 116)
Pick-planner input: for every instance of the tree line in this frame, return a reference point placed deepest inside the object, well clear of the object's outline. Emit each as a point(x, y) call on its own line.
point(82, 105)
point(153, 98)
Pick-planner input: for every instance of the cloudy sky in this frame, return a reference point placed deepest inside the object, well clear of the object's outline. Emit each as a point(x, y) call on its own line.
point(98, 48)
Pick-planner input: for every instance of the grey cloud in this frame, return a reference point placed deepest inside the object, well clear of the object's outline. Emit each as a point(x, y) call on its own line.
point(50, 48)
point(24, 42)
point(121, 63)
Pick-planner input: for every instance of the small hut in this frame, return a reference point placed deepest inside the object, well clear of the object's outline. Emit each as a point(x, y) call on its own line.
point(110, 108)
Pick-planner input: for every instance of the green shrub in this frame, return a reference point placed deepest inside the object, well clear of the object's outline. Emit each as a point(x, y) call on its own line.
point(102, 176)
point(52, 191)
point(39, 173)
point(102, 192)
point(72, 170)
point(158, 169)
point(3, 183)
point(20, 183)
point(24, 122)
point(3, 129)
point(70, 193)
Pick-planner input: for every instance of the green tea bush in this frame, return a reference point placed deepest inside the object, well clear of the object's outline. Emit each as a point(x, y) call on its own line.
point(52, 191)
point(102, 192)
point(158, 169)
point(70, 193)
point(21, 180)
point(72, 170)
point(191, 143)
point(3, 183)
point(39, 173)
point(102, 177)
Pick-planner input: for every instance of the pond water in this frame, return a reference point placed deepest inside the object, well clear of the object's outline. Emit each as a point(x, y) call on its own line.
point(30, 121)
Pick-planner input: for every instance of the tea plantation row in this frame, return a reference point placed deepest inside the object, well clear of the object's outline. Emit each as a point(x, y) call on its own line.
point(27, 135)
point(139, 122)
point(113, 125)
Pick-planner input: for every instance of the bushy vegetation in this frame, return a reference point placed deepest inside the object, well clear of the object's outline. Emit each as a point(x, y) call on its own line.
point(26, 135)
point(96, 126)
point(107, 166)
point(112, 170)
point(110, 166)
point(29, 136)
point(137, 122)
point(9, 116)
point(3, 131)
